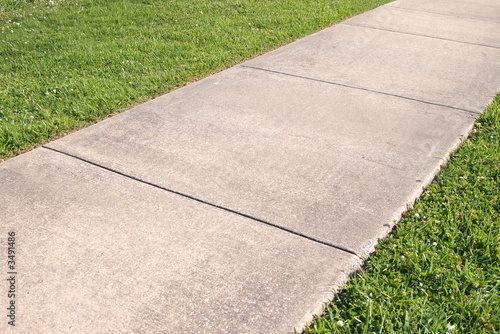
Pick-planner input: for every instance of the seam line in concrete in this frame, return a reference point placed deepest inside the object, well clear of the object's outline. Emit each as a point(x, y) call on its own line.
point(205, 202)
point(420, 35)
point(462, 111)
point(442, 14)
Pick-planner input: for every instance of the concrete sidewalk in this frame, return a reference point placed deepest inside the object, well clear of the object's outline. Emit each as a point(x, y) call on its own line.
point(240, 203)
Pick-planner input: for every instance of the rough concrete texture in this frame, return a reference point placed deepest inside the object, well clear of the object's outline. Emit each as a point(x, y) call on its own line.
point(101, 253)
point(235, 204)
point(333, 163)
point(411, 22)
point(482, 10)
point(459, 75)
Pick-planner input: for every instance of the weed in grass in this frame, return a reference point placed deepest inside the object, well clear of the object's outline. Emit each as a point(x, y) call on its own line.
point(439, 270)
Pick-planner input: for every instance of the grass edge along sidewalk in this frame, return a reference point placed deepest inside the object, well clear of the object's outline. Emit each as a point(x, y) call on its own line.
point(439, 269)
point(66, 64)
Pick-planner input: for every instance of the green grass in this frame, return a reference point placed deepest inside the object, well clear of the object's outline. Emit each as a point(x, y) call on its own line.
point(439, 270)
point(66, 64)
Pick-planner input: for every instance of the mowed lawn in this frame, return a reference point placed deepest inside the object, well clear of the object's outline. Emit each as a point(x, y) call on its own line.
point(67, 63)
point(439, 270)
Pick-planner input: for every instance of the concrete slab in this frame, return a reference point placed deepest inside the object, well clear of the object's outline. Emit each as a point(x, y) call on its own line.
point(484, 10)
point(395, 18)
point(333, 163)
point(218, 207)
point(443, 72)
point(99, 253)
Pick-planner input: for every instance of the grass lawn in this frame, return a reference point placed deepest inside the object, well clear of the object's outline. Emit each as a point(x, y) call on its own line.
point(65, 64)
point(439, 270)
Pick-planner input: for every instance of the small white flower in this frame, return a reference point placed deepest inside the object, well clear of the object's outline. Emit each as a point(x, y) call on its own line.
point(417, 215)
point(340, 323)
point(434, 244)
point(402, 257)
